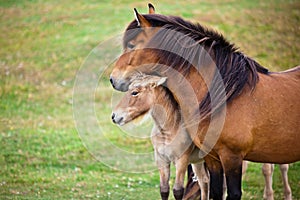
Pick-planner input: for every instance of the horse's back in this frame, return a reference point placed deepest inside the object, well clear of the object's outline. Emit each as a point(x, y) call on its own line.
point(290, 76)
point(289, 83)
point(294, 71)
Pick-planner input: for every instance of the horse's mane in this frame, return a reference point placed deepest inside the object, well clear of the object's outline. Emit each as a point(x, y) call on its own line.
point(189, 40)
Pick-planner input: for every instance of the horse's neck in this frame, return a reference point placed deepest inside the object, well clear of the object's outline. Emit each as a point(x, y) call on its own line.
point(165, 112)
point(189, 90)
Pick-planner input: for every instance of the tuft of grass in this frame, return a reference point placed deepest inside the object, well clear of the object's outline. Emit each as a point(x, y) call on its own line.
point(43, 44)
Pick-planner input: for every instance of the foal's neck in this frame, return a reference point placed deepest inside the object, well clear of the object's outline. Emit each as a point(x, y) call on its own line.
point(165, 112)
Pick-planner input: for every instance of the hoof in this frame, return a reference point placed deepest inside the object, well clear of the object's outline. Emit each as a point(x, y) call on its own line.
point(178, 194)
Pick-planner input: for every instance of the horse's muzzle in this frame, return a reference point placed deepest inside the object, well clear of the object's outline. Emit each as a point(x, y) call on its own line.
point(117, 119)
point(119, 84)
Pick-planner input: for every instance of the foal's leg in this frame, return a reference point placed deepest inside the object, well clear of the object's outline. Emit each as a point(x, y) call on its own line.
point(203, 179)
point(284, 174)
point(267, 170)
point(181, 167)
point(232, 165)
point(216, 177)
point(164, 173)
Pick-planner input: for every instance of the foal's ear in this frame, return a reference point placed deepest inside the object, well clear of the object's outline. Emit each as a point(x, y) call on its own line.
point(151, 8)
point(161, 81)
point(155, 81)
point(141, 20)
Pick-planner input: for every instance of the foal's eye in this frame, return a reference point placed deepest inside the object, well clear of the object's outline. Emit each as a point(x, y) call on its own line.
point(134, 93)
point(130, 45)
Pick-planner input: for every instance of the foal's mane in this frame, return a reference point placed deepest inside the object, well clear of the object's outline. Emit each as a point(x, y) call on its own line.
point(236, 69)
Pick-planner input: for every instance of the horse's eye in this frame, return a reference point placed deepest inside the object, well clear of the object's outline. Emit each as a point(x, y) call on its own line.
point(130, 45)
point(134, 93)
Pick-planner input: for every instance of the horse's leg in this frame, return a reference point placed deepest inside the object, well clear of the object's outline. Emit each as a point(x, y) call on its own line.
point(284, 174)
point(203, 179)
point(189, 170)
point(245, 167)
point(181, 167)
point(267, 170)
point(191, 190)
point(224, 187)
point(232, 165)
point(216, 177)
point(164, 174)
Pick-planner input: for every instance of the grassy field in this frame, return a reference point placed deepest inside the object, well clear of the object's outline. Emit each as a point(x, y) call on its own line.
point(44, 43)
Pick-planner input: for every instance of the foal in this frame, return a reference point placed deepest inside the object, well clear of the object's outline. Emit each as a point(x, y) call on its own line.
point(170, 140)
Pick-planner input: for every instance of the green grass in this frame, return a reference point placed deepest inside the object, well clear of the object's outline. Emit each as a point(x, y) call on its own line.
point(44, 43)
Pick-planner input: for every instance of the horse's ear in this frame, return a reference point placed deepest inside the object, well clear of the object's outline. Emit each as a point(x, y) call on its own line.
point(151, 8)
point(140, 19)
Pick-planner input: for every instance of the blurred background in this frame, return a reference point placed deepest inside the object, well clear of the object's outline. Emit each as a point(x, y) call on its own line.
point(44, 43)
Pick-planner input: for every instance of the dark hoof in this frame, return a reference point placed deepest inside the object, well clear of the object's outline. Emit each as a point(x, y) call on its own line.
point(178, 194)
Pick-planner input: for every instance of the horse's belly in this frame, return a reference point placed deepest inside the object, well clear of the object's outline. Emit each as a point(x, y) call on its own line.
point(280, 152)
point(259, 157)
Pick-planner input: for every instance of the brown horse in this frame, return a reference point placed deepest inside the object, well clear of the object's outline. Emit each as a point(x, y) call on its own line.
point(249, 113)
point(170, 140)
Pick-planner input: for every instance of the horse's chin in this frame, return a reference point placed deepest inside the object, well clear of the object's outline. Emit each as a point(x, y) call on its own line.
point(122, 123)
point(141, 118)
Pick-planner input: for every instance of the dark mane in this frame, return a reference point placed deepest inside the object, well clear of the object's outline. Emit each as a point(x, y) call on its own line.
point(180, 45)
